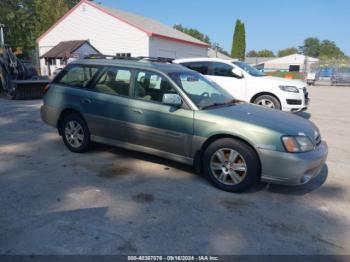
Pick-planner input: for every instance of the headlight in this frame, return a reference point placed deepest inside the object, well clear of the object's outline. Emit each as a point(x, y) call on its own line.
point(297, 144)
point(292, 89)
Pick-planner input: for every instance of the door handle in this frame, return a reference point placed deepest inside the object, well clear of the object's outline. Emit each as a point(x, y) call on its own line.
point(86, 101)
point(137, 111)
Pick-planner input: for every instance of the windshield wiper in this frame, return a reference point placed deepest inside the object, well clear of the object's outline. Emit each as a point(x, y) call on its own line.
point(227, 103)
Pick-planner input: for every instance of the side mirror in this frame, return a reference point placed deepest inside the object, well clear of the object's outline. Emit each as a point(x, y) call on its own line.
point(237, 73)
point(172, 100)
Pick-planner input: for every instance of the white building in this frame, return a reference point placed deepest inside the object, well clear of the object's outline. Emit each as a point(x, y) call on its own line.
point(291, 63)
point(112, 32)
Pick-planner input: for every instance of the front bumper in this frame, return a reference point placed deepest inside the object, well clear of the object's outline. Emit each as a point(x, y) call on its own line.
point(292, 168)
point(289, 101)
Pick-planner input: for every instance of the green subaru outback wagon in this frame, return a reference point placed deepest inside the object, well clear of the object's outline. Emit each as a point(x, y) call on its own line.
point(172, 112)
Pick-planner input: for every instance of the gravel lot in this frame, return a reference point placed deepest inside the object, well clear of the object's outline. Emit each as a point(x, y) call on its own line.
point(112, 201)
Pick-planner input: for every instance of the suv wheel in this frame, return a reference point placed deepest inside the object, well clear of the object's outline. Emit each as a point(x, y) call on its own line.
point(268, 101)
point(231, 165)
point(75, 133)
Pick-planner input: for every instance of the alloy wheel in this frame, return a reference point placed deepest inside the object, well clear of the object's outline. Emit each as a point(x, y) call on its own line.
point(228, 166)
point(266, 103)
point(74, 134)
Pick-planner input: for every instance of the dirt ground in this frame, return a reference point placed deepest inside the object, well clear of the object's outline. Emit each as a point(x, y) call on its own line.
point(112, 201)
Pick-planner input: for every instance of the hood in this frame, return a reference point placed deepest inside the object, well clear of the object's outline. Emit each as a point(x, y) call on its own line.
point(282, 122)
point(283, 81)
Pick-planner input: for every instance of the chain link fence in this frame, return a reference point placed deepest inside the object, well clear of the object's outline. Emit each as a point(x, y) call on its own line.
point(329, 71)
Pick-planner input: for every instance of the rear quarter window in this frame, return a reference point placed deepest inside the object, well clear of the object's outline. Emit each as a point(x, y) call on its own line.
point(76, 75)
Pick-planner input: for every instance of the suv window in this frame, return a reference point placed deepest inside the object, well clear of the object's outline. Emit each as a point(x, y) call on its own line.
point(114, 81)
point(221, 69)
point(152, 86)
point(77, 75)
point(200, 67)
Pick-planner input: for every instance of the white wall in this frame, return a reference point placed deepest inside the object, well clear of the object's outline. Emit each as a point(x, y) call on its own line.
point(171, 49)
point(105, 33)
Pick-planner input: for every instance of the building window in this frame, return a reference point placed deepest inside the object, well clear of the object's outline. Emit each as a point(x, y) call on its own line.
point(52, 62)
point(294, 68)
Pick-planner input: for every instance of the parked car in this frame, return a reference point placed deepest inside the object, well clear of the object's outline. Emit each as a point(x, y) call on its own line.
point(172, 112)
point(311, 78)
point(246, 83)
point(324, 74)
point(341, 76)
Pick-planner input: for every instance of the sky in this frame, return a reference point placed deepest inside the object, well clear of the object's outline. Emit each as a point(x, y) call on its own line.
point(270, 24)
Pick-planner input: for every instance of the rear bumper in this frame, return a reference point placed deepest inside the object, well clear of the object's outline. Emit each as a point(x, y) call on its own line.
point(49, 115)
point(292, 169)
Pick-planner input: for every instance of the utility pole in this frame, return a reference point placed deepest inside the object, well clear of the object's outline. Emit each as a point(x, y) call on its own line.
point(216, 47)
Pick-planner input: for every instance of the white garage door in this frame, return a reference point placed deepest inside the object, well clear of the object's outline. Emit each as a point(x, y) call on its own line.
point(166, 53)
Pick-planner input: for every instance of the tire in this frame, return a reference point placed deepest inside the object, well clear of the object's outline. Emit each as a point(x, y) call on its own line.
point(75, 133)
point(11, 95)
point(237, 180)
point(268, 101)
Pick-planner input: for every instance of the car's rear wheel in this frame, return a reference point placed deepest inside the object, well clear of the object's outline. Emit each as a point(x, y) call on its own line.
point(231, 165)
point(268, 101)
point(75, 133)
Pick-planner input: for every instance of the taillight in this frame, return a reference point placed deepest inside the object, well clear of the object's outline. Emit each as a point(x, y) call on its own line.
point(45, 89)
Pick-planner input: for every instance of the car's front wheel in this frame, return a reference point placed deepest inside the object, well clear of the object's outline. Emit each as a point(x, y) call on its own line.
point(268, 101)
point(231, 165)
point(75, 133)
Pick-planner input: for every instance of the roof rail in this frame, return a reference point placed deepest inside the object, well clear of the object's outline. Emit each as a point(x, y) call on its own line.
point(97, 56)
point(139, 58)
point(157, 59)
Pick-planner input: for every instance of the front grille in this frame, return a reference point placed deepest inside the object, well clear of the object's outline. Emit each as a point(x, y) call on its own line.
point(293, 102)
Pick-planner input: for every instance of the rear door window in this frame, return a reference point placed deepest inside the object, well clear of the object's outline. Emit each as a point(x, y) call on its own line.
point(114, 81)
point(76, 75)
point(200, 67)
point(221, 69)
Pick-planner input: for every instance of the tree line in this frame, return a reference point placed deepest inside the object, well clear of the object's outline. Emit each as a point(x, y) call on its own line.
point(200, 36)
point(311, 46)
point(26, 20)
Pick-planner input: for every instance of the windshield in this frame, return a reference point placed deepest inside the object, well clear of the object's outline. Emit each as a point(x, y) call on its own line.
point(249, 69)
point(201, 91)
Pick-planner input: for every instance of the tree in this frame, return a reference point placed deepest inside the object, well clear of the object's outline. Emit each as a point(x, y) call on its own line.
point(328, 49)
point(287, 51)
point(48, 12)
point(266, 53)
point(17, 15)
point(311, 47)
point(26, 20)
point(193, 32)
point(252, 53)
point(239, 42)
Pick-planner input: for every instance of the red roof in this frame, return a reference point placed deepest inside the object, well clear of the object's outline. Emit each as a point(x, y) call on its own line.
point(149, 26)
